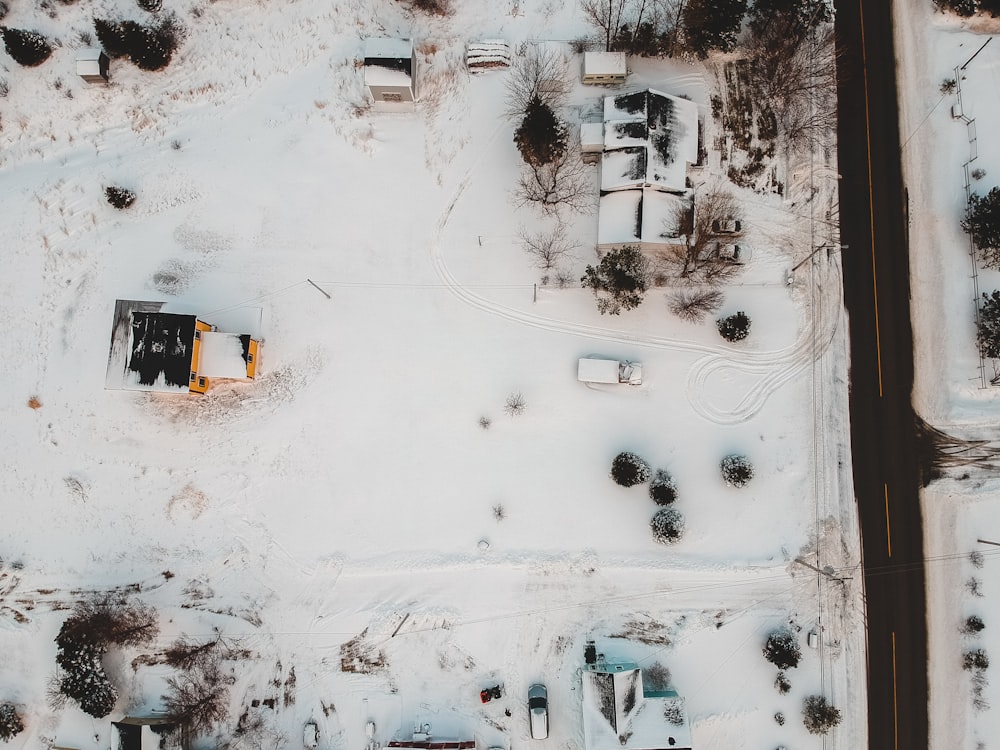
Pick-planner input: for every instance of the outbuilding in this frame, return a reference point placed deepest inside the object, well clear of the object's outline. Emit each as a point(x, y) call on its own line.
point(93, 65)
point(390, 68)
point(604, 68)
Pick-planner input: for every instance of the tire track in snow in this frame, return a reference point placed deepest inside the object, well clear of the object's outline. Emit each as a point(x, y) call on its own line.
point(774, 368)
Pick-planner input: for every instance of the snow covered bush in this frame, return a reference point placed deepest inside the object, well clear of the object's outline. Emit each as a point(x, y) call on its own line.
point(973, 624)
point(433, 7)
point(119, 197)
point(10, 722)
point(735, 327)
point(628, 469)
point(515, 405)
point(782, 649)
point(818, 716)
point(150, 6)
point(667, 525)
point(982, 222)
point(28, 48)
point(662, 489)
point(619, 281)
point(977, 660)
point(782, 684)
point(736, 470)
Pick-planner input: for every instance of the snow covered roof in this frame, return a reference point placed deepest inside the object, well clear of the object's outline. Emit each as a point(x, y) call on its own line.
point(649, 138)
point(592, 136)
point(640, 215)
point(604, 63)
point(223, 355)
point(388, 62)
point(618, 714)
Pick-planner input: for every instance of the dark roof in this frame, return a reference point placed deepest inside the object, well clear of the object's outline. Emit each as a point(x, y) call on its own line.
point(162, 344)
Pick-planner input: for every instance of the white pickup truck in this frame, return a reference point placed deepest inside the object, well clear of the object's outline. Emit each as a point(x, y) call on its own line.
point(596, 370)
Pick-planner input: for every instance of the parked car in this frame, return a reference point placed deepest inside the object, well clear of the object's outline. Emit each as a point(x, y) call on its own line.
point(600, 370)
point(736, 253)
point(538, 711)
point(727, 226)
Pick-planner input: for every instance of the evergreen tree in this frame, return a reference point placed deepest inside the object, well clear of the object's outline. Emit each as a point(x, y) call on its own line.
point(10, 722)
point(819, 716)
point(619, 281)
point(712, 25)
point(735, 327)
point(540, 138)
point(667, 525)
point(988, 333)
point(736, 470)
point(782, 649)
point(791, 17)
point(27, 48)
point(628, 469)
point(111, 35)
point(982, 222)
point(662, 489)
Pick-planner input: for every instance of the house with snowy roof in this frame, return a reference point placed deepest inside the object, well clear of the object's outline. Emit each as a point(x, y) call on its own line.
point(619, 713)
point(650, 140)
point(145, 733)
point(390, 70)
point(171, 352)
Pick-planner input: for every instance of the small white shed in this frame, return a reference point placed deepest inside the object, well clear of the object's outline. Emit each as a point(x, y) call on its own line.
point(390, 67)
point(604, 68)
point(92, 65)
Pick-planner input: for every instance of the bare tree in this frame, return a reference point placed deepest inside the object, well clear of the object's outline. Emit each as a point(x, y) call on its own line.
point(606, 16)
point(110, 620)
point(696, 304)
point(564, 182)
point(701, 224)
point(198, 700)
point(547, 247)
point(540, 73)
point(795, 76)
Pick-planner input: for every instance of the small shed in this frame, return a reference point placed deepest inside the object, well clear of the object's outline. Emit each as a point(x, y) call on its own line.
point(145, 733)
point(604, 68)
point(93, 65)
point(591, 142)
point(488, 54)
point(390, 67)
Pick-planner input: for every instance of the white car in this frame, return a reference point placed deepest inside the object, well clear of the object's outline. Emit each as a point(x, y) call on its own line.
point(538, 711)
point(736, 253)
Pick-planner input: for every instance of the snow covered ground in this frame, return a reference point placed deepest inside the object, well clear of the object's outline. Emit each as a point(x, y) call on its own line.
point(951, 391)
point(350, 491)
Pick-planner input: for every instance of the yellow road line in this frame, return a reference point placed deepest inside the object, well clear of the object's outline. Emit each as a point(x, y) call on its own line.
point(871, 200)
point(888, 534)
point(895, 710)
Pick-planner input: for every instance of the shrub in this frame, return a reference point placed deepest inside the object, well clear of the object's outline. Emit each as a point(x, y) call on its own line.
point(667, 525)
point(782, 684)
point(818, 716)
point(619, 281)
point(780, 718)
point(27, 48)
point(10, 722)
point(973, 624)
point(148, 47)
point(782, 649)
point(693, 306)
point(736, 470)
point(515, 405)
point(150, 6)
point(976, 660)
point(662, 489)
point(735, 327)
point(119, 197)
point(628, 469)
point(982, 222)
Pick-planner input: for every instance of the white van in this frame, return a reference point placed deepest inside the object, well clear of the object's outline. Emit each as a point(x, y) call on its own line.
point(597, 370)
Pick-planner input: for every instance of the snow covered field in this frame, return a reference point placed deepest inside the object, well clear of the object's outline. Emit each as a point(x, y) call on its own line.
point(350, 490)
point(950, 390)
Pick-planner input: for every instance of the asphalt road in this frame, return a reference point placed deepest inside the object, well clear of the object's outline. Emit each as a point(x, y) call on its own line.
point(877, 295)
